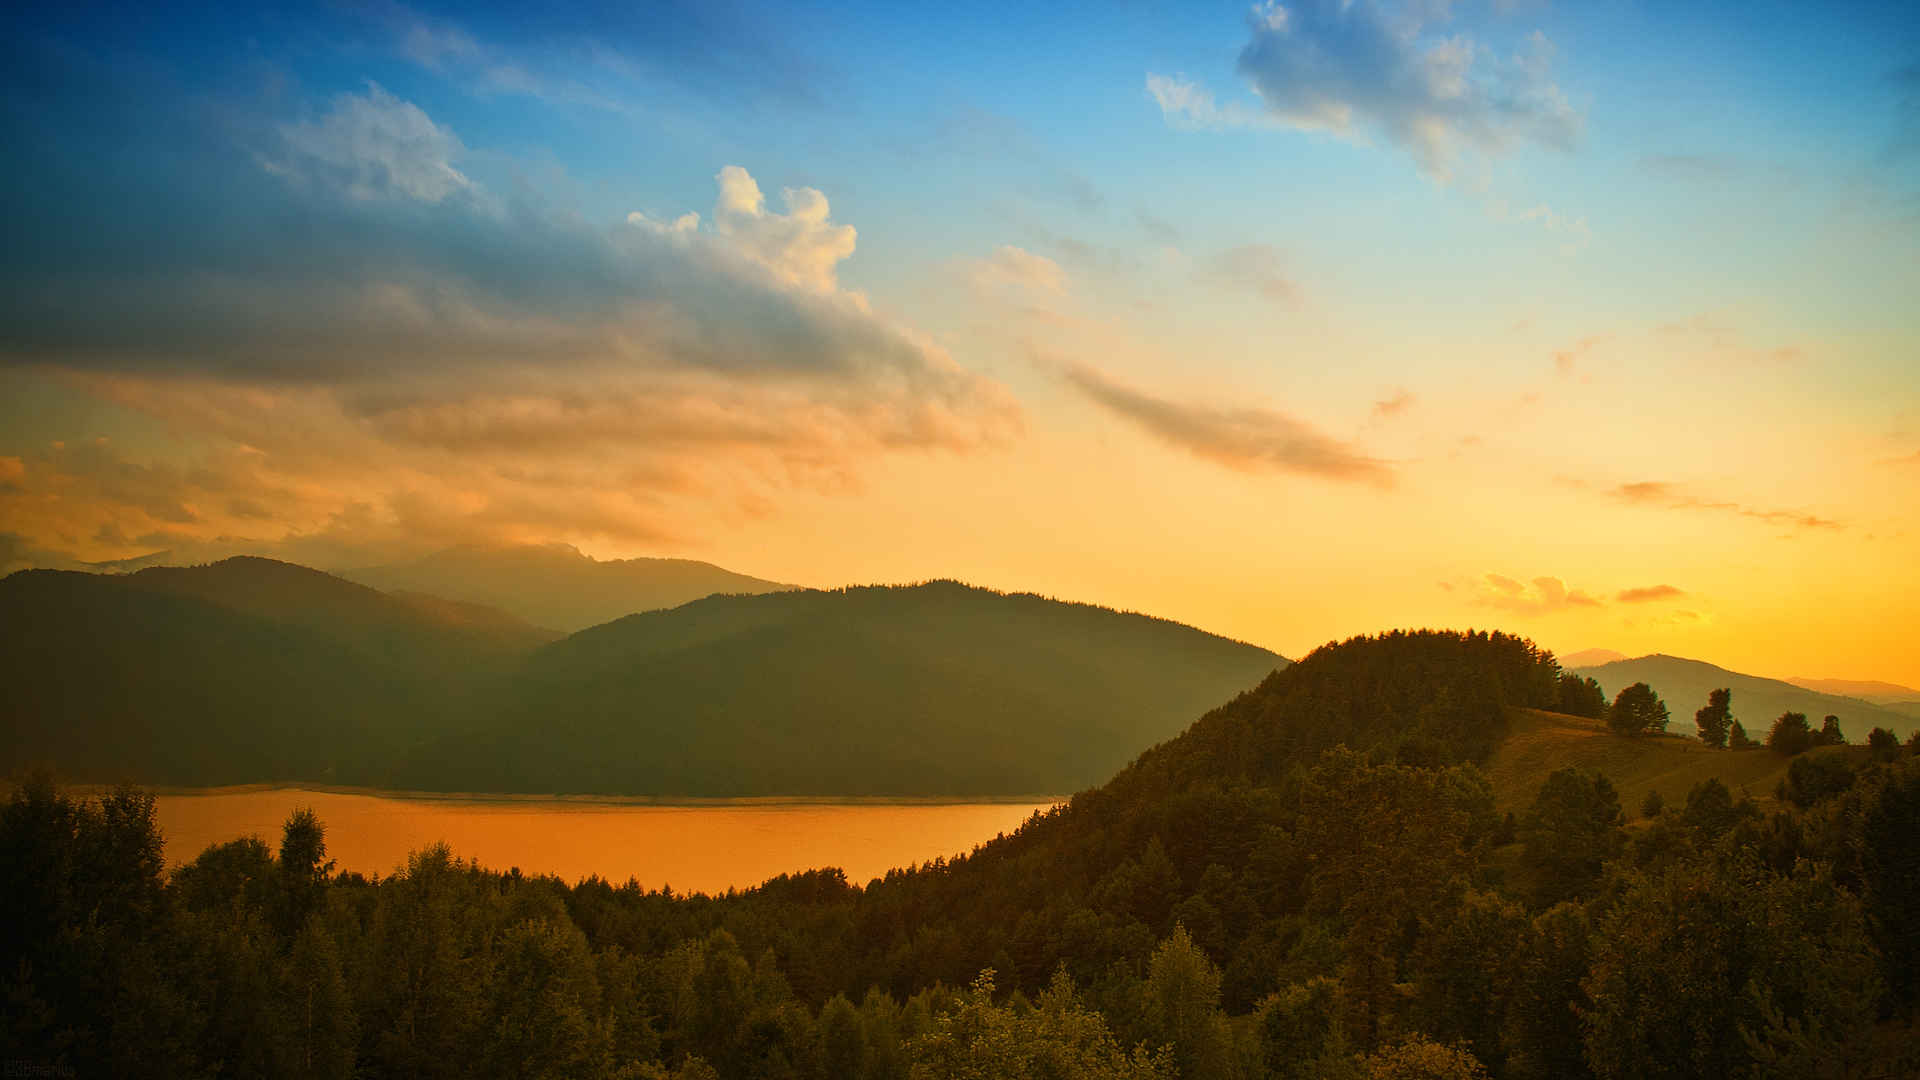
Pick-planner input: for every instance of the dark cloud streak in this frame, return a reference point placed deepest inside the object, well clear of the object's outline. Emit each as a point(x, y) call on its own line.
point(1247, 439)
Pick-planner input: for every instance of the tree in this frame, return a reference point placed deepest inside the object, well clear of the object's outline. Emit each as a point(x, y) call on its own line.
point(1582, 697)
point(1713, 719)
point(1637, 710)
point(1568, 834)
point(321, 1042)
point(1738, 739)
point(1816, 777)
point(1542, 1031)
point(1742, 964)
point(1183, 1007)
point(1055, 1037)
point(1711, 809)
point(304, 869)
point(1830, 733)
point(1790, 734)
point(1420, 1058)
point(1884, 744)
point(1652, 804)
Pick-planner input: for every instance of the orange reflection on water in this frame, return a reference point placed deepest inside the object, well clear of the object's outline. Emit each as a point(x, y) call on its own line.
point(705, 848)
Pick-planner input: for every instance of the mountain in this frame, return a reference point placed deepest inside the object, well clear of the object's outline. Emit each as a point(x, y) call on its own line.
point(241, 671)
point(933, 689)
point(556, 586)
point(1878, 693)
point(399, 629)
point(1591, 658)
point(1684, 685)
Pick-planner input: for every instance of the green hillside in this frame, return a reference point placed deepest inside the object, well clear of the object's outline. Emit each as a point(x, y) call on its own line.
point(556, 586)
point(1684, 685)
point(109, 680)
point(935, 689)
point(1541, 742)
point(405, 631)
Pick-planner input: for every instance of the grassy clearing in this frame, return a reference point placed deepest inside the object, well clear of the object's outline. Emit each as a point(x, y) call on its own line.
point(1542, 742)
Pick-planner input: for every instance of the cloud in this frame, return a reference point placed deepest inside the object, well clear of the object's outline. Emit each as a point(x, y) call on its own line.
point(1566, 360)
point(1543, 596)
point(1390, 407)
point(1015, 267)
point(374, 146)
point(570, 52)
point(1908, 459)
point(341, 326)
point(801, 246)
point(1158, 230)
point(1247, 439)
point(1188, 105)
point(1648, 594)
point(1355, 67)
point(1663, 495)
point(1250, 268)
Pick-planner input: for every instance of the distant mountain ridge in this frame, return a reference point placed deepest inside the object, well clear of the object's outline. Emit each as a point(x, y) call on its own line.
point(1591, 658)
point(1871, 690)
point(1684, 685)
point(556, 586)
point(252, 670)
point(932, 689)
point(241, 671)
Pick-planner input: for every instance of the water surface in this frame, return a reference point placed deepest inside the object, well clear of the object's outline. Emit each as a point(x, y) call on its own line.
point(694, 848)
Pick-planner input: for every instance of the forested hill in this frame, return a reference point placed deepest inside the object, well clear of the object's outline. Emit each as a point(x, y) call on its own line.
point(197, 677)
point(401, 629)
point(933, 689)
point(556, 586)
point(251, 670)
point(1684, 685)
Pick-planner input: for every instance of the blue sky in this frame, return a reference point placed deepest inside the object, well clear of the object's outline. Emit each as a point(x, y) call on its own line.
point(341, 281)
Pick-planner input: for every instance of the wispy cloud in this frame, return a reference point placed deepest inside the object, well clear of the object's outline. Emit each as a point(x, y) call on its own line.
point(1020, 269)
point(1663, 495)
point(1541, 596)
point(1566, 361)
point(1648, 594)
point(1247, 439)
point(1393, 405)
point(1355, 67)
point(1252, 268)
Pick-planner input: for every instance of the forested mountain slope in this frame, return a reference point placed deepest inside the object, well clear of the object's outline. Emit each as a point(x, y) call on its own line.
point(107, 681)
point(934, 689)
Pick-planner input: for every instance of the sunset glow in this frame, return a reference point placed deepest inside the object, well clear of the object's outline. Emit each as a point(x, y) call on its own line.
point(1531, 316)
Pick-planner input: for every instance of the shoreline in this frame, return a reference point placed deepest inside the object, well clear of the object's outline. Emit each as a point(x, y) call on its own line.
point(584, 800)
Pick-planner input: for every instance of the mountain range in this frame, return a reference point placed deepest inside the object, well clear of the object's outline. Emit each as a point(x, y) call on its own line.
point(555, 586)
point(251, 670)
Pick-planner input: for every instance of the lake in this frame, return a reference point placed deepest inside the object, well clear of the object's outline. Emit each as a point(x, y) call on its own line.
point(708, 847)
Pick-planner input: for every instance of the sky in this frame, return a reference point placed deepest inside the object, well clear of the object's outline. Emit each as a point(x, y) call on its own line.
point(1598, 323)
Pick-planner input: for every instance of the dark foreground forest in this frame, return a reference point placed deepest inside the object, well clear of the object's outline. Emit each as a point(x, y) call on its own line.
point(1312, 881)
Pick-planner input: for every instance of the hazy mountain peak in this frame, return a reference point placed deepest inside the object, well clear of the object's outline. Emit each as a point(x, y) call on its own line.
point(557, 585)
point(1591, 658)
